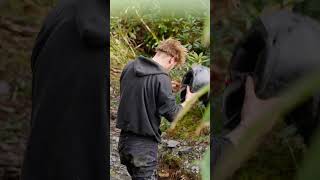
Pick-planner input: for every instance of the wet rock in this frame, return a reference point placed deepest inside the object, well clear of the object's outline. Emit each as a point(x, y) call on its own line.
point(172, 144)
point(195, 169)
point(185, 150)
point(164, 134)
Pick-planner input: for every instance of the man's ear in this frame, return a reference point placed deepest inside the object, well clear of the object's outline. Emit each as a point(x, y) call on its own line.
point(173, 60)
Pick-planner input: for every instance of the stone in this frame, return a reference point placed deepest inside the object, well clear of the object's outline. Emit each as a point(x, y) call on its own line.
point(185, 150)
point(172, 144)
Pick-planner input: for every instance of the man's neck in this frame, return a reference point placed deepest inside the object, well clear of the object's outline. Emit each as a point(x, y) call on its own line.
point(157, 60)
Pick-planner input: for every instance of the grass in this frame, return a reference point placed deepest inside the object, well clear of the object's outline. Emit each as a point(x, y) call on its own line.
point(172, 166)
point(187, 126)
point(277, 158)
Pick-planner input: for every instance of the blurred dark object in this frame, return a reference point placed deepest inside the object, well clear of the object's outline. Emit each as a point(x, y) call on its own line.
point(279, 49)
point(2, 2)
point(4, 88)
point(309, 8)
point(196, 78)
point(69, 120)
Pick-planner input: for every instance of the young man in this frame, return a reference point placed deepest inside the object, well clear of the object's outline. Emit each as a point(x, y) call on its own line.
point(145, 96)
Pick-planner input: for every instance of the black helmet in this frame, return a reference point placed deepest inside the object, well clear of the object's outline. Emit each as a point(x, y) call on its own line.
point(277, 50)
point(196, 78)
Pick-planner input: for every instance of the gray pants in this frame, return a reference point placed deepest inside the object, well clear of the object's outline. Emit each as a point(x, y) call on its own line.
point(139, 155)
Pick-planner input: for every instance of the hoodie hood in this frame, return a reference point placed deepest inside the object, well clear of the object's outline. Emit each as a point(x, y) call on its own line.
point(143, 67)
point(92, 22)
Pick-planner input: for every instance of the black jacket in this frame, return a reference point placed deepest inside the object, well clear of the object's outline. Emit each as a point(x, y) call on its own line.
point(68, 139)
point(145, 96)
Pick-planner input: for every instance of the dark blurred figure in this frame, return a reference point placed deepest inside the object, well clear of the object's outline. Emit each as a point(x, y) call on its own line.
point(68, 139)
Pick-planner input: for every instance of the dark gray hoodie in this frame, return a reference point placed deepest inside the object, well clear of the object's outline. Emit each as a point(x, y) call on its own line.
point(145, 96)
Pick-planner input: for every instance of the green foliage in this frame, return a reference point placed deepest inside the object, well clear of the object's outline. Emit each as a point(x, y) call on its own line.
point(194, 58)
point(147, 30)
point(142, 33)
point(163, 7)
point(189, 104)
point(164, 125)
point(174, 161)
point(188, 125)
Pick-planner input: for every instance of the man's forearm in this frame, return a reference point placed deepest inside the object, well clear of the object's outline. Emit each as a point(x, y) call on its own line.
point(172, 114)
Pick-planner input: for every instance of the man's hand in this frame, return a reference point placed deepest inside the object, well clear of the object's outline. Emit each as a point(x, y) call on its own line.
point(189, 95)
point(252, 109)
point(175, 86)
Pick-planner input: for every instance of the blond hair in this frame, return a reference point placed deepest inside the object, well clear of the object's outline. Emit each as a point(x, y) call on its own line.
point(173, 48)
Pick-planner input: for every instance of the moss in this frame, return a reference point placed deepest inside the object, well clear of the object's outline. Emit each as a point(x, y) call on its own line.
point(172, 161)
point(173, 165)
point(188, 125)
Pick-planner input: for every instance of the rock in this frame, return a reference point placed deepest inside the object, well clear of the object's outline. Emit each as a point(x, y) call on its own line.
point(195, 169)
point(185, 150)
point(116, 139)
point(4, 88)
point(164, 134)
point(163, 174)
point(172, 144)
point(164, 141)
